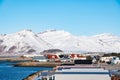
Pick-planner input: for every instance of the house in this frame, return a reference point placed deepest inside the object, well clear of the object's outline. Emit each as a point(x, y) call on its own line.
point(53, 57)
point(77, 56)
point(106, 59)
point(115, 60)
point(41, 58)
point(31, 55)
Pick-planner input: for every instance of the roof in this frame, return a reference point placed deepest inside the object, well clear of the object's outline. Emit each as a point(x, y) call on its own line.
point(81, 73)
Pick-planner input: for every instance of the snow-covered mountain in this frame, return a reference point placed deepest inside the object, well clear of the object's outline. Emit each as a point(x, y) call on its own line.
point(65, 41)
point(26, 41)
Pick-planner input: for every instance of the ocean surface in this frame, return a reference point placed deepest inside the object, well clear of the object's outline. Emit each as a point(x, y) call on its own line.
point(9, 72)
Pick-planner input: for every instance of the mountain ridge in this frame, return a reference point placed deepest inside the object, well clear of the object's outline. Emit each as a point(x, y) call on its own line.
point(26, 41)
point(105, 42)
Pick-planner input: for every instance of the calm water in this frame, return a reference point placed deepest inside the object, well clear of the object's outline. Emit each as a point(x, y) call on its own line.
point(8, 72)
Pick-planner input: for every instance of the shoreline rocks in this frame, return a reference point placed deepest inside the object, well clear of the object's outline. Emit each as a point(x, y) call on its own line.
point(32, 76)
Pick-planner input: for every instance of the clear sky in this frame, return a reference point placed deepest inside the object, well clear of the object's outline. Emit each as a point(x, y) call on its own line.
point(79, 17)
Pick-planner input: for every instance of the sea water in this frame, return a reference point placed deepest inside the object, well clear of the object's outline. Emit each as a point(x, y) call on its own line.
point(9, 72)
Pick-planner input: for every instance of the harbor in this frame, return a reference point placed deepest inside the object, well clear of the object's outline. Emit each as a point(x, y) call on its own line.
point(68, 66)
point(77, 72)
point(78, 66)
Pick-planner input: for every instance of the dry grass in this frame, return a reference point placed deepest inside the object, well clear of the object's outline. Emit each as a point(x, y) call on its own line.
point(38, 64)
point(15, 59)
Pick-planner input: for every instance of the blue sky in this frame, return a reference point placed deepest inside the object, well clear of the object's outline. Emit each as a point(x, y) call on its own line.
point(79, 17)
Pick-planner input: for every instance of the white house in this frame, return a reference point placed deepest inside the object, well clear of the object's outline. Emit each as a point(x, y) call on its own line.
point(41, 58)
point(31, 55)
point(115, 60)
point(106, 59)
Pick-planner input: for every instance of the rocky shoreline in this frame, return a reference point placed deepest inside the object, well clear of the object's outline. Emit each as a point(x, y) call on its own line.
point(32, 76)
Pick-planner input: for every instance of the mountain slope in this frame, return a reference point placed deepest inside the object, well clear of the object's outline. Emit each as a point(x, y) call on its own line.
point(24, 41)
point(68, 42)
